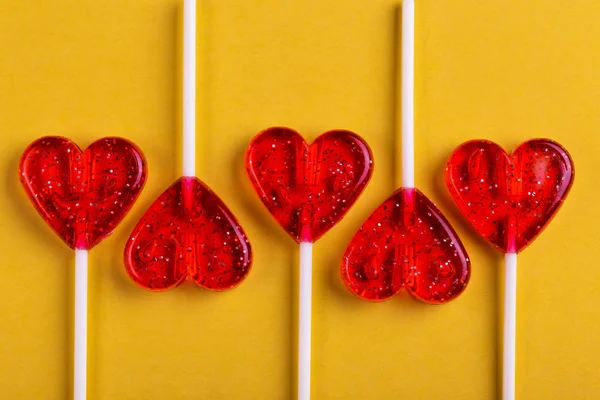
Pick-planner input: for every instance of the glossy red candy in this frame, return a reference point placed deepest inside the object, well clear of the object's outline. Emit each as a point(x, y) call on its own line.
point(82, 195)
point(308, 188)
point(509, 199)
point(188, 232)
point(406, 242)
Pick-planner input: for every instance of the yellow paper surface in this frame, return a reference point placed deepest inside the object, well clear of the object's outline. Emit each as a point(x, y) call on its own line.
point(506, 70)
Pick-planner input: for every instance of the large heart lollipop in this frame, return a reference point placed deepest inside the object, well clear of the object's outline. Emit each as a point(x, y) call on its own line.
point(407, 241)
point(308, 189)
point(188, 232)
point(509, 199)
point(82, 195)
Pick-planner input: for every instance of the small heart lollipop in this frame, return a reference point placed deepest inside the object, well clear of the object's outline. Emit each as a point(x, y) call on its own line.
point(308, 189)
point(82, 195)
point(407, 241)
point(188, 232)
point(509, 199)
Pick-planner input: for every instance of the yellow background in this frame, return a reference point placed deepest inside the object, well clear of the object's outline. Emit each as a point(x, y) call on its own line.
point(507, 70)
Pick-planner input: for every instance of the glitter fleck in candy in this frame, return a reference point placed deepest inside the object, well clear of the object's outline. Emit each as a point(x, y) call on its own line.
point(509, 199)
point(406, 242)
point(188, 232)
point(82, 195)
point(308, 188)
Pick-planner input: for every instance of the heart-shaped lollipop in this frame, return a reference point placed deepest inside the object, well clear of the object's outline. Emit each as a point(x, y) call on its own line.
point(188, 232)
point(406, 241)
point(308, 188)
point(509, 199)
point(82, 195)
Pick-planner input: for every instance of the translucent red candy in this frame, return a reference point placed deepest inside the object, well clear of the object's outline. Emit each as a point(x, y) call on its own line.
point(406, 242)
point(308, 188)
point(509, 199)
point(82, 195)
point(188, 232)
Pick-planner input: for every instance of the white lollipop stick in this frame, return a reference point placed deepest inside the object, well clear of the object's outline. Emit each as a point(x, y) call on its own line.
point(189, 88)
point(408, 94)
point(80, 335)
point(510, 323)
point(304, 320)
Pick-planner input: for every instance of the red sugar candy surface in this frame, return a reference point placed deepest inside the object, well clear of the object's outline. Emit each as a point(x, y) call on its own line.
point(406, 242)
point(82, 195)
point(188, 232)
point(308, 188)
point(509, 198)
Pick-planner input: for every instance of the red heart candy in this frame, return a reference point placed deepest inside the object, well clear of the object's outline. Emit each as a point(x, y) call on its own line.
point(308, 188)
point(188, 231)
point(406, 241)
point(509, 199)
point(82, 195)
